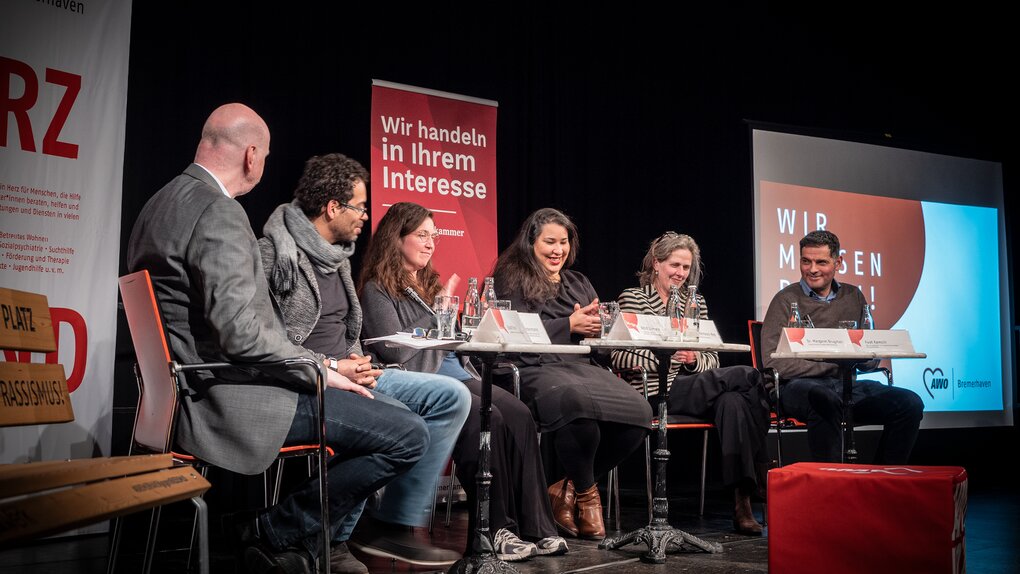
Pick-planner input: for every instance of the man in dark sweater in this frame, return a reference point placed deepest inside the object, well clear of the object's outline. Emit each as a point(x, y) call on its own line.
point(812, 390)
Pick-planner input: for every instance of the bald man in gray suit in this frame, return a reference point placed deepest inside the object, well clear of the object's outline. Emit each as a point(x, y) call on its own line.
point(195, 240)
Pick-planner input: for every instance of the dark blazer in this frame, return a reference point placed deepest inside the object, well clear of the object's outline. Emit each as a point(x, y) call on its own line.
point(201, 253)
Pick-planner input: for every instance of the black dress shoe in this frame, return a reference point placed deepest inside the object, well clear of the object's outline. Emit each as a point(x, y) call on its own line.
point(262, 561)
point(260, 558)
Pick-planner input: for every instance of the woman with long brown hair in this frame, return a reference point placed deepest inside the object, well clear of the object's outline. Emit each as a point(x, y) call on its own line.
point(597, 420)
point(400, 256)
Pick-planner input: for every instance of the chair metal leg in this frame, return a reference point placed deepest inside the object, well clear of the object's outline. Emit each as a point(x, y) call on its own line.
point(202, 520)
point(150, 540)
point(278, 482)
point(432, 513)
point(779, 442)
point(111, 563)
point(613, 496)
point(648, 475)
point(449, 493)
point(616, 495)
point(607, 512)
point(704, 461)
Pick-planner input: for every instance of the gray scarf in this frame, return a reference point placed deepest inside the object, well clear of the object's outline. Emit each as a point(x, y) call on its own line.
point(289, 229)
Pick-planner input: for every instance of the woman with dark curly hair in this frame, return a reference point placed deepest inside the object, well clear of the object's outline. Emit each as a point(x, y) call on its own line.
point(597, 420)
point(400, 256)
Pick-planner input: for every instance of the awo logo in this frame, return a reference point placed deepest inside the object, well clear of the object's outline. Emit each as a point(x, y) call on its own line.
point(935, 380)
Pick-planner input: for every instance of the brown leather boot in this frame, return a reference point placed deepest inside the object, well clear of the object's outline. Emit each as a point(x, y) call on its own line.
point(589, 514)
point(743, 517)
point(564, 506)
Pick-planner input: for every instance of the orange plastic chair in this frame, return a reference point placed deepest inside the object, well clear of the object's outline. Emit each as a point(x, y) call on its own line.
point(159, 387)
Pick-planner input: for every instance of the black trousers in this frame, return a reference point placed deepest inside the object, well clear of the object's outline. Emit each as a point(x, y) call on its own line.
point(819, 404)
point(734, 398)
point(518, 499)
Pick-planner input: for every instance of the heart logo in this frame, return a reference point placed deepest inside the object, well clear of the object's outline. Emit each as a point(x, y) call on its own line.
point(796, 334)
point(855, 336)
point(927, 382)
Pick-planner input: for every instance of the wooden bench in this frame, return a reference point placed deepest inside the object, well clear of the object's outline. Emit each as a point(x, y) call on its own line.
point(38, 499)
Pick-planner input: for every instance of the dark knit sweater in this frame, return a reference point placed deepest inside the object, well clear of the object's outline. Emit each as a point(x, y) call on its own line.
point(847, 306)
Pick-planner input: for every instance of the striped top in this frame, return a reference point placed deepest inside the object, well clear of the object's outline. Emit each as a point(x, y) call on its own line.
point(646, 301)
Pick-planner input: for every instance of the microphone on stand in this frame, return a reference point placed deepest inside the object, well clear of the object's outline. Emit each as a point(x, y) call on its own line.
point(413, 295)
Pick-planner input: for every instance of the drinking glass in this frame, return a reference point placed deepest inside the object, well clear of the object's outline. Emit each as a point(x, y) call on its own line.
point(608, 312)
point(848, 324)
point(501, 304)
point(446, 307)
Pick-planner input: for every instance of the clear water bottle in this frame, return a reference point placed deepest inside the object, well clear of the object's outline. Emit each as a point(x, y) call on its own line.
point(675, 312)
point(795, 320)
point(867, 321)
point(488, 294)
point(472, 306)
point(692, 315)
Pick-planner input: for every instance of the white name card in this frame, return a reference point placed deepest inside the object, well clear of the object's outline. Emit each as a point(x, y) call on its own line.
point(634, 327)
point(881, 341)
point(504, 326)
point(708, 333)
point(796, 340)
point(845, 341)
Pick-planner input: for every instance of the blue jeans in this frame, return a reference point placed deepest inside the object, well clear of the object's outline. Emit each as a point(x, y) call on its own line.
point(444, 404)
point(819, 403)
point(374, 441)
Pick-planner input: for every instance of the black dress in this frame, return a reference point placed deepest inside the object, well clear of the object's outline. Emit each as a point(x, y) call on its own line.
point(562, 388)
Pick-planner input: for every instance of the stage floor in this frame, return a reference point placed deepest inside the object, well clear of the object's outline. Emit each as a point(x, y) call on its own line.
point(993, 543)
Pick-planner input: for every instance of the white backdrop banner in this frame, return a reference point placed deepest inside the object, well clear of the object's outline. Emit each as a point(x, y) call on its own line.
point(63, 100)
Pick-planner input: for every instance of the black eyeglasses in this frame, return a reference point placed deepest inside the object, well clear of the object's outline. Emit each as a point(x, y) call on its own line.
point(361, 210)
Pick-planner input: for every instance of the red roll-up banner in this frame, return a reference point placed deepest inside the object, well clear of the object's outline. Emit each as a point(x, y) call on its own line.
point(438, 150)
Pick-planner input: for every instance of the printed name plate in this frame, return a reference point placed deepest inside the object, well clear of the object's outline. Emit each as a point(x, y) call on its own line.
point(708, 333)
point(634, 327)
point(881, 341)
point(798, 340)
point(503, 326)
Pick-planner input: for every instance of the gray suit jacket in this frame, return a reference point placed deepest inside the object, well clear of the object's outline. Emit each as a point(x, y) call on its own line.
point(206, 270)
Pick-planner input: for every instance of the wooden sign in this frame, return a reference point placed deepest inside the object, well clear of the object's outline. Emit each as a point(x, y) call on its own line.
point(25, 323)
point(31, 477)
point(33, 393)
point(56, 511)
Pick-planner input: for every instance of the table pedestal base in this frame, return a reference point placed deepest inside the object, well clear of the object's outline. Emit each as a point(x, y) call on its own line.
point(481, 565)
point(659, 539)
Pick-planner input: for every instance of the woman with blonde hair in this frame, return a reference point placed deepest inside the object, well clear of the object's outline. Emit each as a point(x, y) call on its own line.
point(732, 397)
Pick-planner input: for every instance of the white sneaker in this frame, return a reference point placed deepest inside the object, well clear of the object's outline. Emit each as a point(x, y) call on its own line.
point(551, 546)
point(510, 548)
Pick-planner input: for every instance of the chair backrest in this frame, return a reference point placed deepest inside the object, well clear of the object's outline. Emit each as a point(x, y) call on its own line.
point(157, 382)
point(754, 339)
